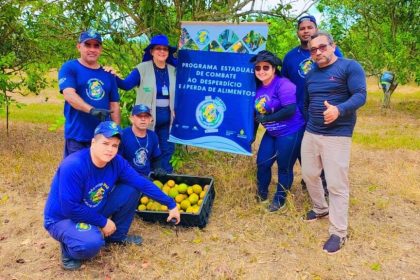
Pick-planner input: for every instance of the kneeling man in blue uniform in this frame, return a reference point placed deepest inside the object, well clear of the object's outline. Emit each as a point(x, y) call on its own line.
point(86, 209)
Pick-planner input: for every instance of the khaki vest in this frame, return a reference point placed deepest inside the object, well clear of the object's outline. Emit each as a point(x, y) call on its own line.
point(146, 92)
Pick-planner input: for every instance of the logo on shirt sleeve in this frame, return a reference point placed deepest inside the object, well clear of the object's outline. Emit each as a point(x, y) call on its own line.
point(94, 89)
point(62, 80)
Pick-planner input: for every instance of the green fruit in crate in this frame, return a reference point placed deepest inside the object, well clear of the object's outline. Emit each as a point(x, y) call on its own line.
point(156, 206)
point(158, 183)
point(170, 183)
point(196, 208)
point(189, 190)
point(173, 193)
point(185, 204)
point(166, 189)
point(142, 207)
point(144, 200)
point(163, 208)
point(193, 198)
point(182, 188)
point(197, 189)
point(179, 198)
point(190, 209)
point(202, 194)
point(200, 202)
point(149, 205)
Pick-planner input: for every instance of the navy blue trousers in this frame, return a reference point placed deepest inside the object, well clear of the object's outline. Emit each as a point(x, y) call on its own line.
point(83, 241)
point(71, 146)
point(284, 150)
point(162, 127)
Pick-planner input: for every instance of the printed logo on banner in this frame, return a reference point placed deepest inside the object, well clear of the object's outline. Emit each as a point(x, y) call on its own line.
point(202, 37)
point(210, 113)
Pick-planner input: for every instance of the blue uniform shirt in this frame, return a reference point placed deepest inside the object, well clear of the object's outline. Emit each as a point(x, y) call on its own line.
point(96, 87)
point(80, 190)
point(139, 152)
point(342, 84)
point(296, 64)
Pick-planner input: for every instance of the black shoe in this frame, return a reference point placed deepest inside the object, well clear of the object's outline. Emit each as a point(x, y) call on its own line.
point(334, 244)
point(261, 199)
point(128, 240)
point(274, 207)
point(311, 216)
point(69, 263)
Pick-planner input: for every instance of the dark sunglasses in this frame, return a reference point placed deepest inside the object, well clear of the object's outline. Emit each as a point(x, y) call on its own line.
point(165, 49)
point(265, 68)
point(322, 48)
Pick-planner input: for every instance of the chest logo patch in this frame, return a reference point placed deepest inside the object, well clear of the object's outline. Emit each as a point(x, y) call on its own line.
point(95, 90)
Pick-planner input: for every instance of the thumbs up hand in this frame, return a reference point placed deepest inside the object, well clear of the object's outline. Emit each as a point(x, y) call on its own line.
point(331, 114)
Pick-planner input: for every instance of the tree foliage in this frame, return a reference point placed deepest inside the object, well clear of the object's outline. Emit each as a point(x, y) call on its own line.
point(382, 35)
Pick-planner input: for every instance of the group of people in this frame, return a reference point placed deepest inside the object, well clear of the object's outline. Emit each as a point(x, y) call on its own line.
point(308, 110)
point(306, 103)
point(97, 186)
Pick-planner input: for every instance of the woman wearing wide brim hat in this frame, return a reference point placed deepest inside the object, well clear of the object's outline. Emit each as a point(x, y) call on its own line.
point(276, 110)
point(154, 79)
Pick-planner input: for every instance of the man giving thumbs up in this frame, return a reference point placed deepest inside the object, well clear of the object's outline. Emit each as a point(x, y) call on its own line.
point(334, 90)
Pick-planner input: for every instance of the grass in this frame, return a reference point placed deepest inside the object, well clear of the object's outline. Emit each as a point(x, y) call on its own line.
point(241, 240)
point(45, 113)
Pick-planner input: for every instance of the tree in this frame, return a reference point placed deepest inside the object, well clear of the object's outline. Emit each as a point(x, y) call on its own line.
point(382, 35)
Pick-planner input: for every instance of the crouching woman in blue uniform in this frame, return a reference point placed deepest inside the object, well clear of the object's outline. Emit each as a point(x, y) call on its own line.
point(85, 208)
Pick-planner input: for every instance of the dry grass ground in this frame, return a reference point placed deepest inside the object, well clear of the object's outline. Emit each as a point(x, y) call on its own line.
point(241, 240)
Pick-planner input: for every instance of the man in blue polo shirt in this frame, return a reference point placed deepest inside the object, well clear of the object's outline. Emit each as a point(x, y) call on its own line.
point(139, 145)
point(90, 93)
point(335, 88)
point(86, 209)
point(297, 63)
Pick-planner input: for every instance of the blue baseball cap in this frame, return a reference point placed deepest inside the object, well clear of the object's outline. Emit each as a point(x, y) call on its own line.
point(139, 109)
point(306, 18)
point(90, 35)
point(108, 129)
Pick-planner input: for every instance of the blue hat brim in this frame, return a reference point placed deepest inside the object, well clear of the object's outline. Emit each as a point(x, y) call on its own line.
point(170, 60)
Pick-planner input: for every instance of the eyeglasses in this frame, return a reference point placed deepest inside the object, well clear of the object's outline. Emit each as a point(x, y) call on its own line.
point(165, 49)
point(322, 48)
point(265, 68)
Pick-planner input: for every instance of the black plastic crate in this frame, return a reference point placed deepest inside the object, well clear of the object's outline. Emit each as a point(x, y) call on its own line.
point(199, 219)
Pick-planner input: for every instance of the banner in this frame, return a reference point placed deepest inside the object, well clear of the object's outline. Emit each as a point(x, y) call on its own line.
point(215, 85)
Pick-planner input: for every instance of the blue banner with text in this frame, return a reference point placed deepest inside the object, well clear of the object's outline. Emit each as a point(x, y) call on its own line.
point(214, 101)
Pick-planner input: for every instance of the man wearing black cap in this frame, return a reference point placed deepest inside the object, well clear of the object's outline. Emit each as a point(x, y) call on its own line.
point(90, 93)
point(86, 209)
point(297, 63)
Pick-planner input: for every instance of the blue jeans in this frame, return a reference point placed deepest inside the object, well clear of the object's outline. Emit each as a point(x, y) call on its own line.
point(284, 150)
point(162, 127)
point(83, 241)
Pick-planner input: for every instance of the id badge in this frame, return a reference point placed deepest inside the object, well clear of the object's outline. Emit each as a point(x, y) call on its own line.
point(165, 91)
